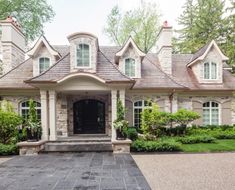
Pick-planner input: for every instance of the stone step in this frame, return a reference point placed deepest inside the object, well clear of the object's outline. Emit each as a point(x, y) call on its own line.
point(84, 139)
point(74, 146)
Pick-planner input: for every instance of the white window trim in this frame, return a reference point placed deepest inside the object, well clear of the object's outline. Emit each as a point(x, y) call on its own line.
point(82, 67)
point(138, 107)
point(210, 66)
point(210, 108)
point(135, 67)
point(39, 62)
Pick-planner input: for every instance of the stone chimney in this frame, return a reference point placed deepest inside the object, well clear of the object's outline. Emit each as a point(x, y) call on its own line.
point(164, 48)
point(12, 45)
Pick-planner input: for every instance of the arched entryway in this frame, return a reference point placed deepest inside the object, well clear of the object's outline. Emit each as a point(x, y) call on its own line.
point(89, 116)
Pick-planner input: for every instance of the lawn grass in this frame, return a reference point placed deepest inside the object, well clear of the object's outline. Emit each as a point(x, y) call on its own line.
point(219, 146)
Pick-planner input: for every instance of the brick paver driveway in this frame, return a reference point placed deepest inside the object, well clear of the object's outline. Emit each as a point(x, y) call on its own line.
point(71, 171)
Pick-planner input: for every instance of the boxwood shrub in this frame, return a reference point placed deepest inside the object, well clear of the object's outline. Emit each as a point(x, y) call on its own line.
point(131, 133)
point(196, 139)
point(155, 146)
point(8, 149)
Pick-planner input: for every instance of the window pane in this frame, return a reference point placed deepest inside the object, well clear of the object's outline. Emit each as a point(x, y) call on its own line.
point(214, 116)
point(130, 67)
point(206, 116)
point(206, 71)
point(139, 104)
point(213, 71)
point(44, 64)
point(83, 55)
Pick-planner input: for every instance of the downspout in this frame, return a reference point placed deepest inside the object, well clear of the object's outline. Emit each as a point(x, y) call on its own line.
point(170, 99)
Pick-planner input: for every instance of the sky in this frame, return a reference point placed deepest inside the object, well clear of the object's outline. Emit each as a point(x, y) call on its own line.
point(91, 15)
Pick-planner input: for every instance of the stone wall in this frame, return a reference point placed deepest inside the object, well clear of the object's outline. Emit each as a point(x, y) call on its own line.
point(64, 110)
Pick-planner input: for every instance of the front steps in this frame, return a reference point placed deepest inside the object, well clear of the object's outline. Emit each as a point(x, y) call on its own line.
point(80, 143)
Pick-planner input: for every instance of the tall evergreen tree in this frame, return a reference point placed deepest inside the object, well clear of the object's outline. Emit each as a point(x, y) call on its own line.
point(201, 22)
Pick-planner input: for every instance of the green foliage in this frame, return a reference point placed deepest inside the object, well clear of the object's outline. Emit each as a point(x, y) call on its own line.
point(155, 146)
point(120, 123)
point(152, 119)
point(31, 14)
point(184, 117)
point(8, 126)
point(196, 139)
point(203, 21)
point(131, 133)
point(6, 106)
point(141, 23)
point(8, 149)
point(32, 121)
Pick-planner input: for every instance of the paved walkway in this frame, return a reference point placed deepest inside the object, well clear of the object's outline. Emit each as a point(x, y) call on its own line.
point(85, 171)
point(214, 171)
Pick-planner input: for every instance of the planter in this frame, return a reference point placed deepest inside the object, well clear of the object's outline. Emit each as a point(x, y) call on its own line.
point(32, 136)
point(120, 135)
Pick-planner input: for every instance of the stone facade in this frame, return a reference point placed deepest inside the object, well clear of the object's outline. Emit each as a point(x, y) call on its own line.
point(64, 110)
point(83, 39)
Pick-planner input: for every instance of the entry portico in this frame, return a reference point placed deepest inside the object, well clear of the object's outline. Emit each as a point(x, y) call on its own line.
point(79, 103)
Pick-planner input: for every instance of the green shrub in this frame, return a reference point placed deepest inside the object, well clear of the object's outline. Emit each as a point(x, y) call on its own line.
point(196, 139)
point(8, 126)
point(155, 146)
point(8, 149)
point(131, 133)
point(224, 135)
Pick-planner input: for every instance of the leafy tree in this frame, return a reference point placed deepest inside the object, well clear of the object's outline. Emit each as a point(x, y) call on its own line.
point(9, 121)
point(141, 23)
point(201, 21)
point(31, 14)
point(184, 117)
point(152, 119)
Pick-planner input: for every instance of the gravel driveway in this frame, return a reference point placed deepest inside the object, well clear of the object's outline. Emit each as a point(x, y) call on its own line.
point(213, 171)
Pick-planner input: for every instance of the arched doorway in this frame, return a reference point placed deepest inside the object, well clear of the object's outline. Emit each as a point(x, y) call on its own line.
point(89, 117)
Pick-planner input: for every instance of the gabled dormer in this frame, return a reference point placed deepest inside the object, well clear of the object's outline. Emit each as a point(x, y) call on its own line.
point(83, 52)
point(43, 55)
point(129, 59)
point(207, 63)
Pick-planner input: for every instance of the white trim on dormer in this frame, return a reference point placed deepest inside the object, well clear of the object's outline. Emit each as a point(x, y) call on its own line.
point(82, 67)
point(203, 56)
point(125, 47)
point(36, 47)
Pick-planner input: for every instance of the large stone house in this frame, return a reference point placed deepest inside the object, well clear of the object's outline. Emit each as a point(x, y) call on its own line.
point(76, 86)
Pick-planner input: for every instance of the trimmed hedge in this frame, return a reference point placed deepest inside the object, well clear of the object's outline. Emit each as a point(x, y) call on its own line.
point(8, 149)
point(131, 133)
point(155, 146)
point(196, 139)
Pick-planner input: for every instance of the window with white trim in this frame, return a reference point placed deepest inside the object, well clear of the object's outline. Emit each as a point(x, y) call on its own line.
point(211, 113)
point(83, 55)
point(210, 70)
point(138, 108)
point(130, 67)
point(24, 109)
point(44, 64)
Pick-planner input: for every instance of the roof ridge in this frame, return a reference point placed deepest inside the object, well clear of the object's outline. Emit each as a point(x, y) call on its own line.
point(14, 68)
point(49, 68)
point(173, 80)
point(115, 66)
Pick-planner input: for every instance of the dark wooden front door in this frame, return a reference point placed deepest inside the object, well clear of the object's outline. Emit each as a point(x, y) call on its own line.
point(89, 117)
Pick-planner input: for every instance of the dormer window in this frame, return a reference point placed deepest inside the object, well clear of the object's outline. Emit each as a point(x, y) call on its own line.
point(130, 67)
point(210, 70)
point(44, 64)
point(83, 55)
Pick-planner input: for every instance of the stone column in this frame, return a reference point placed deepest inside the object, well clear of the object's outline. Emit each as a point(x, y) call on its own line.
point(44, 114)
point(52, 114)
point(114, 111)
point(122, 97)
